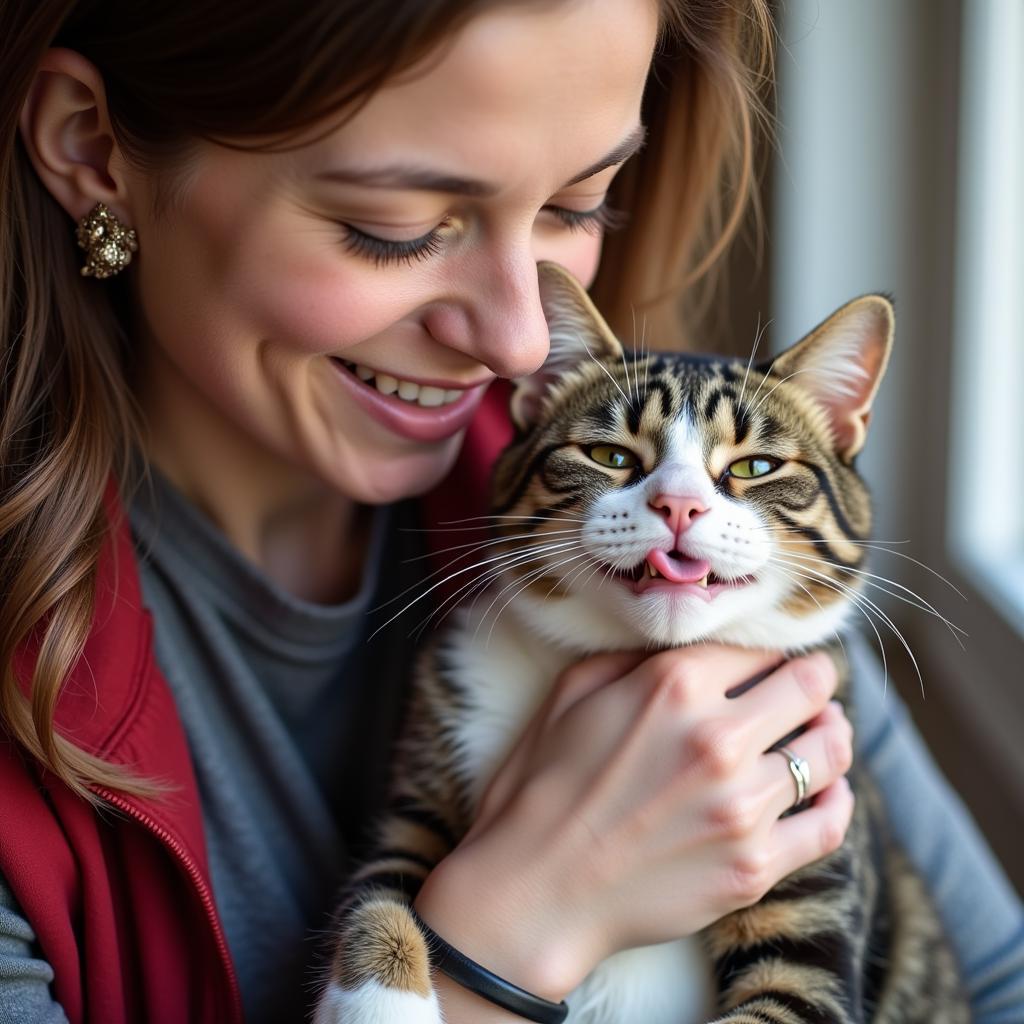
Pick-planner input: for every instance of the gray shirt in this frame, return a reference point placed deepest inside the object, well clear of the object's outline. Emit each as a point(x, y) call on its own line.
point(289, 714)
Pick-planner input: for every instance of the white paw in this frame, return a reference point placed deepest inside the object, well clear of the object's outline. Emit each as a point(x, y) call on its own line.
point(371, 1003)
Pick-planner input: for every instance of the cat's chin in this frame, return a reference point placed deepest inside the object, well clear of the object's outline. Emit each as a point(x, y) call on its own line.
point(619, 618)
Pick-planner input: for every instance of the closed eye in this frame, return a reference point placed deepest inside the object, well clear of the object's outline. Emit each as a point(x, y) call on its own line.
point(599, 219)
point(390, 250)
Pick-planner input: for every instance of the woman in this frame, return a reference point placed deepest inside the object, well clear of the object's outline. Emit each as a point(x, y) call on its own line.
point(350, 185)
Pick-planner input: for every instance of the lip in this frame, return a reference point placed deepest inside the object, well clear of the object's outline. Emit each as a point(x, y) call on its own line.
point(413, 422)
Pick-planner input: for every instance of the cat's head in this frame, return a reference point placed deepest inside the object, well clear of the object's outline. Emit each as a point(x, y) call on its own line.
point(666, 498)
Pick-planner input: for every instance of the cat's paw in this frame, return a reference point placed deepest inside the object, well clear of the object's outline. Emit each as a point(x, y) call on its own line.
point(371, 1003)
point(380, 973)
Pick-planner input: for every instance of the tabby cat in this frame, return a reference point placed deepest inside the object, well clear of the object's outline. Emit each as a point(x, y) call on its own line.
point(583, 561)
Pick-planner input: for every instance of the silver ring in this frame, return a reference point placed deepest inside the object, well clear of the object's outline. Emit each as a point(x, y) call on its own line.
point(801, 772)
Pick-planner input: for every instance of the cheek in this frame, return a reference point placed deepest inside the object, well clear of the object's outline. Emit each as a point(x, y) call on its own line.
point(320, 309)
point(263, 272)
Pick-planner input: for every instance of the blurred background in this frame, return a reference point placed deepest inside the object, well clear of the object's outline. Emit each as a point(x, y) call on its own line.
point(898, 166)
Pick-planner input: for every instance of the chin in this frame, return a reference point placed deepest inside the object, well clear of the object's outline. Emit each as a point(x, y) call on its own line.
point(397, 477)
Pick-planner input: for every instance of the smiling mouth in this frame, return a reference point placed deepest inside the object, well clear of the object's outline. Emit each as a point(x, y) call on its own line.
point(426, 396)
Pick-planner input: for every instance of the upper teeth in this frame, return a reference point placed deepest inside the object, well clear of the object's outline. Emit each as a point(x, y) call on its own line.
point(419, 394)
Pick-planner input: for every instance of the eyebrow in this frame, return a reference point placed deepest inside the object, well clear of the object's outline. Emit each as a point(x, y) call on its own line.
point(405, 176)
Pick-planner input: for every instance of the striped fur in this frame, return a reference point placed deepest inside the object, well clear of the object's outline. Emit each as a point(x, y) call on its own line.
point(851, 938)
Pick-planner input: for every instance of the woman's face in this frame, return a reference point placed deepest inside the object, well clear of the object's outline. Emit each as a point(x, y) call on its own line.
point(402, 245)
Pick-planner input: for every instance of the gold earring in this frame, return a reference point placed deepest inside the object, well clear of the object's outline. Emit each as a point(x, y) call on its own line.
point(107, 242)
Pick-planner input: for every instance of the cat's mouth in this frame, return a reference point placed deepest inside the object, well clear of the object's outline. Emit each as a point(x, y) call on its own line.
point(675, 572)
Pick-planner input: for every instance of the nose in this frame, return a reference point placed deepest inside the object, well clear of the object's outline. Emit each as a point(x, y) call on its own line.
point(678, 510)
point(496, 316)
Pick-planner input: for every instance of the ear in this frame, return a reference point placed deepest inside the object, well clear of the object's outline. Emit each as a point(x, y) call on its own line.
point(841, 363)
point(67, 133)
point(578, 334)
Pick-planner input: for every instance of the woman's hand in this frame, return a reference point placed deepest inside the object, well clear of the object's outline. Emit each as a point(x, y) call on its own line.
point(639, 806)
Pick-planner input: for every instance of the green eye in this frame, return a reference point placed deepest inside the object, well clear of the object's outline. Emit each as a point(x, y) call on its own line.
point(747, 469)
point(612, 457)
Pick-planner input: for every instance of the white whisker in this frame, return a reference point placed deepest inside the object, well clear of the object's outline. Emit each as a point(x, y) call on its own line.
point(876, 545)
point(480, 583)
point(571, 576)
point(479, 545)
point(646, 353)
point(767, 373)
point(605, 371)
point(525, 583)
point(789, 573)
point(835, 633)
point(437, 572)
point(768, 394)
point(489, 519)
point(441, 583)
point(758, 334)
point(858, 597)
point(920, 603)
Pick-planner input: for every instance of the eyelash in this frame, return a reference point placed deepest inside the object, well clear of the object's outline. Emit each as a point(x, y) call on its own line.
point(382, 251)
point(601, 218)
point(386, 250)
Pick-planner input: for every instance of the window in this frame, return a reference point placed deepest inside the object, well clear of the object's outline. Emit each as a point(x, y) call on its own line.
point(901, 168)
point(986, 480)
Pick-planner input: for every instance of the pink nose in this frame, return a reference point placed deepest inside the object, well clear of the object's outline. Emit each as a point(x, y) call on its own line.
point(679, 510)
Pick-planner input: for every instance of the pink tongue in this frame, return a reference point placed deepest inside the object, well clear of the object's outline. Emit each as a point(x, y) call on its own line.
point(678, 570)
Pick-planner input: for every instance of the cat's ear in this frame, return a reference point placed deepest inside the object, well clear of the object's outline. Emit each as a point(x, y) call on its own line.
point(841, 363)
point(578, 335)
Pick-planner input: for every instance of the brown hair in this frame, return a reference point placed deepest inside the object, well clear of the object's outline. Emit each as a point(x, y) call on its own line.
point(67, 419)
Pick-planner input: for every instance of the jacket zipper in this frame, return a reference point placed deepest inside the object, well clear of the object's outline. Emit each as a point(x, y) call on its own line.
point(198, 881)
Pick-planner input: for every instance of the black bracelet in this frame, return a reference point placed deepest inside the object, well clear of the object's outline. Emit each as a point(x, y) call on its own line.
point(469, 974)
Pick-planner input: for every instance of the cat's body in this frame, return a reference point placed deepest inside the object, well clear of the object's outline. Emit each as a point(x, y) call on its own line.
point(585, 560)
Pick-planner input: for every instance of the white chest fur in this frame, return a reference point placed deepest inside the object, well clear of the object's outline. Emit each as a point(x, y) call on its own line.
point(506, 672)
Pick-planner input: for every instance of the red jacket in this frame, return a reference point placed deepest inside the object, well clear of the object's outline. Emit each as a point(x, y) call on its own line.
point(121, 902)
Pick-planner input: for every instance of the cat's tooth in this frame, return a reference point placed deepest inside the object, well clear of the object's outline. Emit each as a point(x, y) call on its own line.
point(703, 583)
point(386, 384)
point(428, 397)
point(651, 571)
point(364, 373)
point(452, 396)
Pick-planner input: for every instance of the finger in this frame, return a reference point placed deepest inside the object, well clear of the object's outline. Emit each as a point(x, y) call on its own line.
point(715, 669)
point(806, 837)
point(827, 747)
point(586, 677)
point(573, 685)
point(790, 696)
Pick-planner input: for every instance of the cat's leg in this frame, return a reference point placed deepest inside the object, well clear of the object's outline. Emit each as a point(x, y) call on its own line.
point(379, 970)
